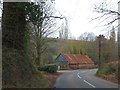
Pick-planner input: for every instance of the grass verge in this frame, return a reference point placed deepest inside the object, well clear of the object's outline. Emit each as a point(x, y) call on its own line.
point(51, 77)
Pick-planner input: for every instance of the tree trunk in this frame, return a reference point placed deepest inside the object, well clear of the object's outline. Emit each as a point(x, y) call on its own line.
point(13, 25)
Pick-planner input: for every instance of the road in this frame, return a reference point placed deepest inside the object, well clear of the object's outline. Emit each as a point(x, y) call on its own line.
point(82, 79)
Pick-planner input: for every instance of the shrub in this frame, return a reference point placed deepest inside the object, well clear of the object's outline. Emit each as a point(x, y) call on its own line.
point(109, 68)
point(51, 68)
point(104, 71)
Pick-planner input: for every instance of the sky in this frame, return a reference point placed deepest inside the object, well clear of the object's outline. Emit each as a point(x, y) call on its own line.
point(79, 14)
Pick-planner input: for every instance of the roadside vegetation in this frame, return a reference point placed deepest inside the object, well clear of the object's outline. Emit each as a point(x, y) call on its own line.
point(51, 68)
point(110, 71)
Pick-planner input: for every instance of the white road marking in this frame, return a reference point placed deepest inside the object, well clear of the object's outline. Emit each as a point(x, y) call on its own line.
point(85, 81)
point(89, 83)
point(78, 75)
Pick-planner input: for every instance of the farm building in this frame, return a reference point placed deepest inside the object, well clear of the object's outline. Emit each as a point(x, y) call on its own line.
point(74, 61)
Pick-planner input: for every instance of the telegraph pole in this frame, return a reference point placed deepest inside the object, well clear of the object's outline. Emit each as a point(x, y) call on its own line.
point(99, 38)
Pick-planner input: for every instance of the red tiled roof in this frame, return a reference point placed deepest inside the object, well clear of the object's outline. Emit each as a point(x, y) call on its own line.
point(78, 59)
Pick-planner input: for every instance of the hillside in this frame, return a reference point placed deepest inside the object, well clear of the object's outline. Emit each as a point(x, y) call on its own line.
point(73, 47)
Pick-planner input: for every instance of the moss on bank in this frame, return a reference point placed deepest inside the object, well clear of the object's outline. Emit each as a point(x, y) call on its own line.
point(17, 71)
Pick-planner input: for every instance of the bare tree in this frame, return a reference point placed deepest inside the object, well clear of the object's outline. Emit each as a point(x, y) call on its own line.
point(110, 16)
point(107, 14)
point(42, 25)
point(64, 32)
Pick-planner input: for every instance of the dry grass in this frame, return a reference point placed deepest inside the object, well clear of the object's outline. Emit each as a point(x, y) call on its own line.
point(51, 77)
point(109, 77)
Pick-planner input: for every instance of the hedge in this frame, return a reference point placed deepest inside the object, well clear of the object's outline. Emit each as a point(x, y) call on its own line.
point(51, 68)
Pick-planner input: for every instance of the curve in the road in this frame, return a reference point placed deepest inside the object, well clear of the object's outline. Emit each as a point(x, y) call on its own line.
point(83, 79)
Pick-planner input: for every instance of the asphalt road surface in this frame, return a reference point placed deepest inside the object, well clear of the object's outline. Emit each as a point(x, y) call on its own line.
point(82, 79)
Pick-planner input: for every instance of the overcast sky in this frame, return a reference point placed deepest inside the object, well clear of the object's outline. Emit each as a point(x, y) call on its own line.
point(79, 14)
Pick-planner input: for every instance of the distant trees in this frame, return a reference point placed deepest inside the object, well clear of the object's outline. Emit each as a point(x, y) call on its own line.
point(64, 30)
point(88, 44)
point(88, 41)
point(85, 45)
point(87, 36)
